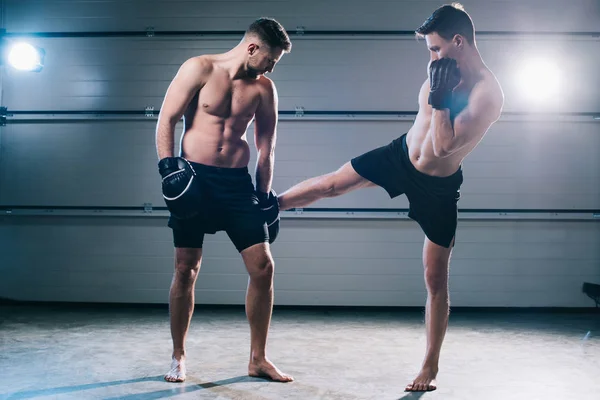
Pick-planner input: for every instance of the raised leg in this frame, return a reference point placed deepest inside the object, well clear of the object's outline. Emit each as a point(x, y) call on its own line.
point(337, 183)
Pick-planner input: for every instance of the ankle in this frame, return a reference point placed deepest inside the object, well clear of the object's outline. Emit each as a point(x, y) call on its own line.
point(430, 366)
point(257, 357)
point(178, 355)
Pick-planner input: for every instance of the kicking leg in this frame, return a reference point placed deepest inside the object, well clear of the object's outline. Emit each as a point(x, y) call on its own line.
point(337, 183)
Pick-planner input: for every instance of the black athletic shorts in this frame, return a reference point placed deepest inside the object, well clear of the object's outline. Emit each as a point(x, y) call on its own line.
point(228, 204)
point(433, 200)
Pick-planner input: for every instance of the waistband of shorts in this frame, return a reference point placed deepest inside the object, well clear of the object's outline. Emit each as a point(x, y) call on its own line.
point(450, 181)
point(211, 169)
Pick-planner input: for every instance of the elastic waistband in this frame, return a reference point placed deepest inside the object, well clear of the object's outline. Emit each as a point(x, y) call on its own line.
point(239, 171)
point(453, 180)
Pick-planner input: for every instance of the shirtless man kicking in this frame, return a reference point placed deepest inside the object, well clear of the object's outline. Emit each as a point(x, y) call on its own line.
point(458, 103)
point(208, 187)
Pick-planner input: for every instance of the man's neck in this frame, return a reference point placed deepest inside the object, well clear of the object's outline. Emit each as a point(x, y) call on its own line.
point(232, 62)
point(471, 64)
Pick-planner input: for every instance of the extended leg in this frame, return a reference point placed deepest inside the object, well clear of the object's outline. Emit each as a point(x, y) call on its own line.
point(333, 184)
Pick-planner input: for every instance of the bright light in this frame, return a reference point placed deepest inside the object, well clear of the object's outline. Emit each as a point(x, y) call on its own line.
point(539, 80)
point(26, 57)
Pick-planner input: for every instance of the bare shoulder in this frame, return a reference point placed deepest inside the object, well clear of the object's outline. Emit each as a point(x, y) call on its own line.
point(493, 85)
point(204, 62)
point(199, 67)
point(490, 91)
point(267, 88)
point(267, 84)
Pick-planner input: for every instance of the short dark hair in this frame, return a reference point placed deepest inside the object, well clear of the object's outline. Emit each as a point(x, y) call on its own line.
point(270, 32)
point(447, 21)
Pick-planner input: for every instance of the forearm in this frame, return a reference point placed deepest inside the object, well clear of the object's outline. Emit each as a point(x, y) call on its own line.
point(442, 132)
point(165, 137)
point(264, 172)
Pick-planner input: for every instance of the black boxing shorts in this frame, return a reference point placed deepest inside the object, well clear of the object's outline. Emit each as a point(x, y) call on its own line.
point(228, 203)
point(433, 200)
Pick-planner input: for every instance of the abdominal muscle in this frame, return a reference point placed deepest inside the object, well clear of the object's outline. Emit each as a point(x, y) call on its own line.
point(216, 141)
point(420, 150)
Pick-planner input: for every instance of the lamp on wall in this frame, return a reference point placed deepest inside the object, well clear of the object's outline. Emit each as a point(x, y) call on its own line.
point(25, 57)
point(539, 80)
point(20, 55)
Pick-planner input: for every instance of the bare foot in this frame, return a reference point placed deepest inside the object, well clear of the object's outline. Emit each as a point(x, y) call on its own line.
point(266, 369)
point(425, 382)
point(177, 372)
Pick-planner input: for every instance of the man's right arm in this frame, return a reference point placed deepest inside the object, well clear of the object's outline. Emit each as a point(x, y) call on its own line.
point(189, 80)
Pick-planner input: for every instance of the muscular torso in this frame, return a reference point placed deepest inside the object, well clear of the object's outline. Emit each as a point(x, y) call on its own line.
point(216, 120)
point(419, 139)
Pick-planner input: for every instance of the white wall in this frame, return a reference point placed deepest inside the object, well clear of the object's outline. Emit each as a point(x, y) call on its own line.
point(489, 15)
point(319, 74)
point(542, 165)
point(521, 164)
point(318, 262)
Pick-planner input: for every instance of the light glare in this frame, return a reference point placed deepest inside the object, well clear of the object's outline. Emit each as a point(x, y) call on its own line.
point(25, 57)
point(539, 80)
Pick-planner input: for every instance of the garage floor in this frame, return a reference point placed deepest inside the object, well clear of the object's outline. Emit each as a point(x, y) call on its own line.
point(122, 352)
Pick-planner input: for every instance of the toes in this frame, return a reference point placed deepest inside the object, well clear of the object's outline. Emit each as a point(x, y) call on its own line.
point(281, 378)
point(418, 387)
point(174, 378)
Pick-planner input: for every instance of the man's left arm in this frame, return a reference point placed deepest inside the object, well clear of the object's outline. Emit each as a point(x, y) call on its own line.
point(265, 135)
point(471, 123)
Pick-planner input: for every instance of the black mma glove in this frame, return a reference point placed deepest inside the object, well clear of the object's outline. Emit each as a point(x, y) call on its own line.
point(444, 75)
point(269, 207)
point(180, 188)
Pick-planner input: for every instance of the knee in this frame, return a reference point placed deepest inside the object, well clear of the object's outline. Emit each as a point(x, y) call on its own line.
point(186, 271)
point(436, 277)
point(263, 271)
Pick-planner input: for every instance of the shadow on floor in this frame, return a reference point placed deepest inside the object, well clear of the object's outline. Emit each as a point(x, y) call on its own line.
point(190, 386)
point(70, 389)
point(412, 395)
point(176, 390)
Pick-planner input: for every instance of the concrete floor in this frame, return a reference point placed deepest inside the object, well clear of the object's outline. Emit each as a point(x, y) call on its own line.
point(58, 352)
